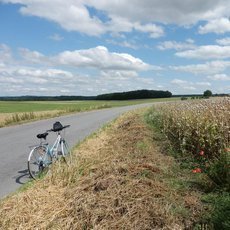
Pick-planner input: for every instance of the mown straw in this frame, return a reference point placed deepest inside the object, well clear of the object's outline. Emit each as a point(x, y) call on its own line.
point(118, 179)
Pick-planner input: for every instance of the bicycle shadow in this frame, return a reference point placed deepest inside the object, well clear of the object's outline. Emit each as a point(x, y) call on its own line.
point(23, 176)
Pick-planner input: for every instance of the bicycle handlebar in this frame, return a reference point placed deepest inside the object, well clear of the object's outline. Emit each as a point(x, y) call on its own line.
point(57, 130)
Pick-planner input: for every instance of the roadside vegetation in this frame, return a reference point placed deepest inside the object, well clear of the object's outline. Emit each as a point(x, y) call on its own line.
point(161, 168)
point(199, 135)
point(15, 112)
point(119, 178)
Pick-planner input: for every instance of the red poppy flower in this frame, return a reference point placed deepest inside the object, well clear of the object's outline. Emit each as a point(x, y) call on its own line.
point(197, 170)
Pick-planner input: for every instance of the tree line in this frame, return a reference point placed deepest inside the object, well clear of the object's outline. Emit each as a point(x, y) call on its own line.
point(137, 94)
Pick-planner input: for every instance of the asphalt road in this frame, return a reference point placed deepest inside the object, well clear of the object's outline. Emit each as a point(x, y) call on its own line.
point(15, 141)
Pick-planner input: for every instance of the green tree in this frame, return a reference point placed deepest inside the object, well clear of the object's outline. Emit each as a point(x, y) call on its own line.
point(207, 93)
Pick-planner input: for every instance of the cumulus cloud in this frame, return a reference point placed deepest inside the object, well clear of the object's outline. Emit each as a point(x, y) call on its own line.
point(99, 57)
point(34, 81)
point(18, 80)
point(154, 30)
point(219, 77)
point(5, 53)
point(121, 16)
point(112, 72)
point(167, 11)
point(127, 44)
point(166, 45)
point(206, 52)
point(218, 26)
point(71, 15)
point(224, 41)
point(56, 37)
point(188, 85)
point(119, 75)
point(207, 68)
point(32, 56)
point(76, 16)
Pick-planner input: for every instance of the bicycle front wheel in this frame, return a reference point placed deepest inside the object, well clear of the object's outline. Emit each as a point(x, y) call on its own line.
point(64, 148)
point(38, 161)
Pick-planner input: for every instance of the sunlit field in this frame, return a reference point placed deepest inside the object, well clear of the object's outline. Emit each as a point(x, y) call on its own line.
point(12, 112)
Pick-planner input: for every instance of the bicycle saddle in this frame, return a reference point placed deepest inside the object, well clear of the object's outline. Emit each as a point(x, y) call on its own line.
point(42, 135)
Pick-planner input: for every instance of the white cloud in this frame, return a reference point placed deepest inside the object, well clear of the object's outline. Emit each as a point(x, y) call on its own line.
point(34, 81)
point(98, 57)
point(119, 75)
point(75, 16)
point(5, 53)
point(206, 52)
point(219, 77)
point(71, 15)
point(112, 72)
point(167, 11)
point(213, 67)
point(56, 37)
point(178, 81)
point(32, 56)
point(123, 16)
point(218, 26)
point(184, 85)
point(154, 30)
point(224, 41)
point(188, 85)
point(176, 45)
point(203, 83)
point(131, 45)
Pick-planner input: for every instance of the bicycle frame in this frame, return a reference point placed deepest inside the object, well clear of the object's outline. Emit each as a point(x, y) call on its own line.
point(54, 149)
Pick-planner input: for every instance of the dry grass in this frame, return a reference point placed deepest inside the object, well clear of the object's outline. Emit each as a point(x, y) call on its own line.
point(3, 117)
point(15, 118)
point(118, 179)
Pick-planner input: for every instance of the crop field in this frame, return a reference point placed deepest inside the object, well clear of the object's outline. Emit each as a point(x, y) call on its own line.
point(195, 126)
point(12, 112)
point(200, 131)
point(34, 106)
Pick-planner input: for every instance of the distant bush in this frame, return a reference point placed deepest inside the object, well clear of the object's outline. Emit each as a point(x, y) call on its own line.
point(207, 93)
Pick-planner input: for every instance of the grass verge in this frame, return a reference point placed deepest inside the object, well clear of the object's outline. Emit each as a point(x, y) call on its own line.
point(120, 178)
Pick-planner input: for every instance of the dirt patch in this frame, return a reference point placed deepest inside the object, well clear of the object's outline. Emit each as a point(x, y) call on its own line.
point(118, 179)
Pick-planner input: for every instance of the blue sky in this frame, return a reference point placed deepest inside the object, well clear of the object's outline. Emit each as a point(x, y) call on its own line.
point(90, 47)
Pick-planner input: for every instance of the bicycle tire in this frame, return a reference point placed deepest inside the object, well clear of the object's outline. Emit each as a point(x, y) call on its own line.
point(38, 161)
point(64, 148)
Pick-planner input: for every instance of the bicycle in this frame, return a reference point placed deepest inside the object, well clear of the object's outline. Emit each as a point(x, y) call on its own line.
point(42, 156)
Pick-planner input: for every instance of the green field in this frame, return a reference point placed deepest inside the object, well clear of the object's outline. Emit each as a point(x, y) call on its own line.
point(66, 106)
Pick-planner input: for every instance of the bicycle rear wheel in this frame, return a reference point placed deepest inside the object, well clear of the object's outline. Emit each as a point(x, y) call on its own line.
point(38, 161)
